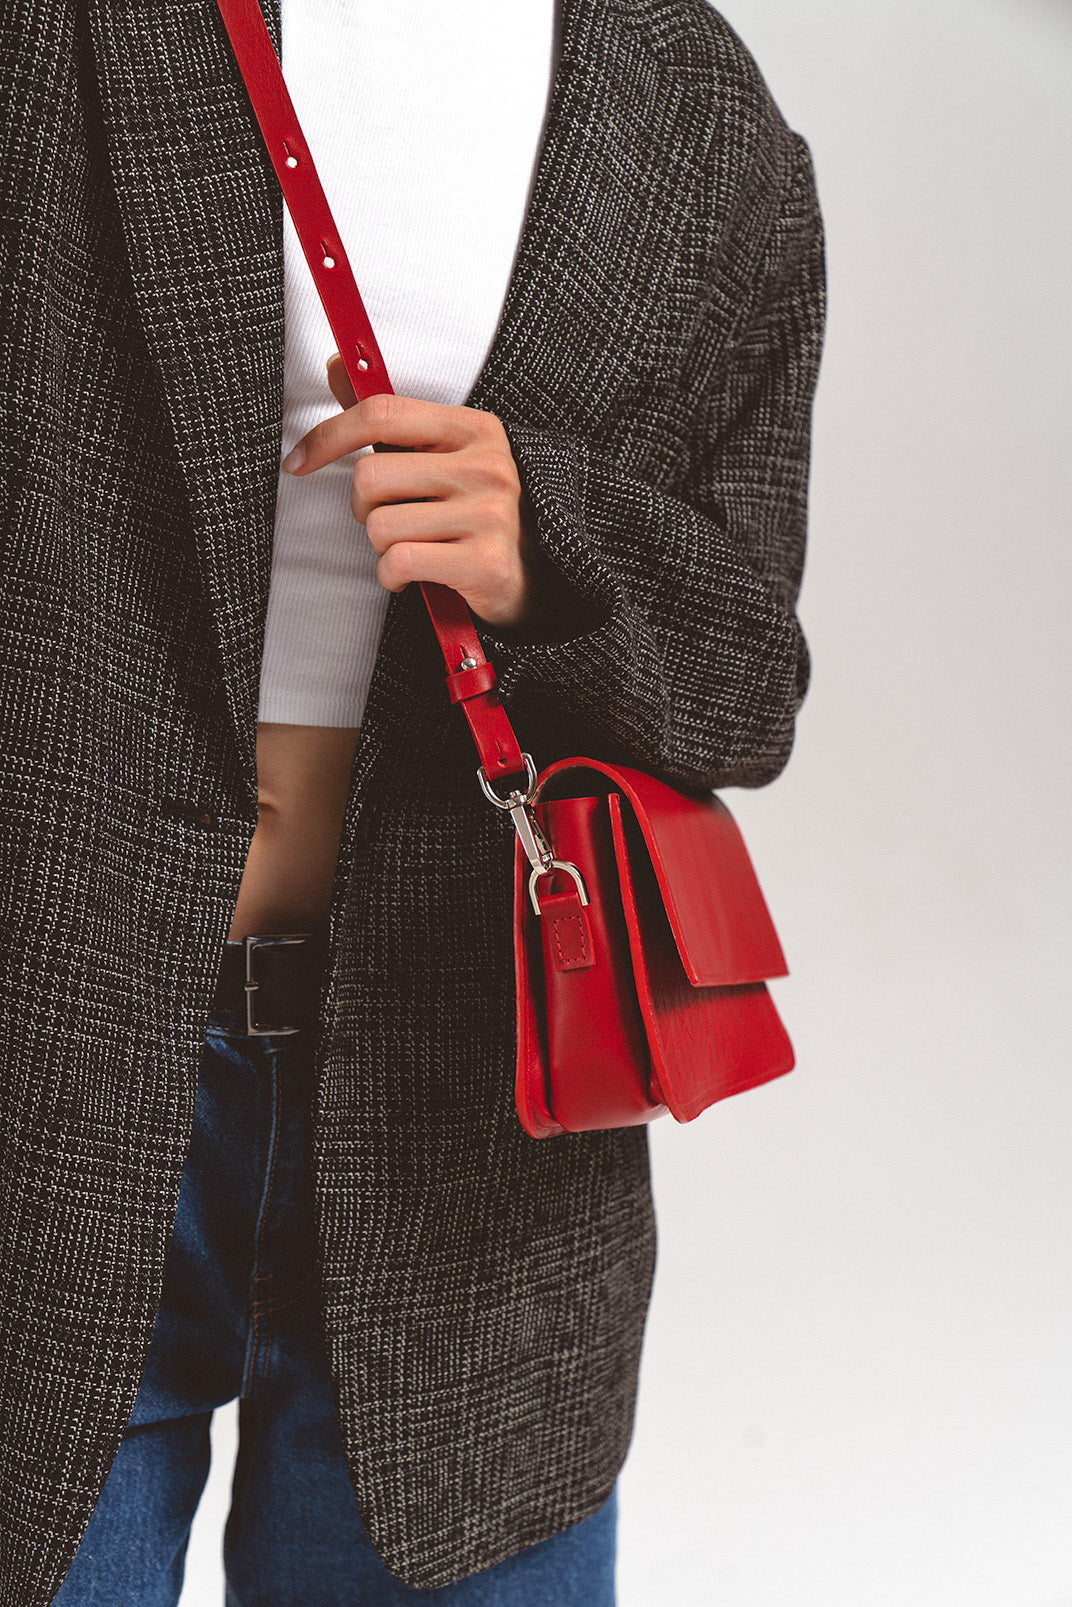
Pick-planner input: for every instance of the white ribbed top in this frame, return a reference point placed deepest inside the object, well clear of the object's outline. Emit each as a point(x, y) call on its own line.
point(424, 121)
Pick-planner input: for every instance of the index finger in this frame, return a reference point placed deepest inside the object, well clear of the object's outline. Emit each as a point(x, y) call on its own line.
point(393, 421)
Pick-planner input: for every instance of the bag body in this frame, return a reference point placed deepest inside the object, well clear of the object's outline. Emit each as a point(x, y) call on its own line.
point(642, 959)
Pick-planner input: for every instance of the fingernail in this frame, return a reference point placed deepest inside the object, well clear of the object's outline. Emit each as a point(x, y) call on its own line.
point(294, 458)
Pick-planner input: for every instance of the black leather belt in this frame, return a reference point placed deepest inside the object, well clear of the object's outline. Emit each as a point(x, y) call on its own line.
point(269, 984)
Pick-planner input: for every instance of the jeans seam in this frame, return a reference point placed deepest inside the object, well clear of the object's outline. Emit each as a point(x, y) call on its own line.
point(260, 1309)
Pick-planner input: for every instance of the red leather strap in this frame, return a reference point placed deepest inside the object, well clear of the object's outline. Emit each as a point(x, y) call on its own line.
point(496, 743)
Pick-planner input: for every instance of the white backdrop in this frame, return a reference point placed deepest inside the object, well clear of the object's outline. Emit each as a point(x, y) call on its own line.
point(856, 1379)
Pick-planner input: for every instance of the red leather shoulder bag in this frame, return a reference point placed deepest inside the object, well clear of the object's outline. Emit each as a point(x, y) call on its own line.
point(642, 941)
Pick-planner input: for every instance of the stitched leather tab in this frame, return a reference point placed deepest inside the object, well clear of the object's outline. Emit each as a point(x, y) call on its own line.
point(470, 683)
point(570, 947)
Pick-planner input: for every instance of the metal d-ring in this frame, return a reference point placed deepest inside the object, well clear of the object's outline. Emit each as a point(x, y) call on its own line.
point(544, 870)
point(514, 798)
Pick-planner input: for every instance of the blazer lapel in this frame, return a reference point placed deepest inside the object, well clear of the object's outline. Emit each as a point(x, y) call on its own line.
point(203, 220)
point(610, 198)
point(202, 215)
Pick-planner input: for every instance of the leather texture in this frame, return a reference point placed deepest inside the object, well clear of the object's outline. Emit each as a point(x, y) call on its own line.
point(484, 1295)
point(719, 917)
point(651, 997)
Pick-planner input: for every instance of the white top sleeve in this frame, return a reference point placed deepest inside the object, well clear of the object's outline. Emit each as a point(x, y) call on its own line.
point(424, 121)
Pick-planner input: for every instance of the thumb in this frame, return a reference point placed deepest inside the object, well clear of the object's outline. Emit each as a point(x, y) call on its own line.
point(339, 381)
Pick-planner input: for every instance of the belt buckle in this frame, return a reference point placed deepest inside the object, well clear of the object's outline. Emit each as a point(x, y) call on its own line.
point(255, 941)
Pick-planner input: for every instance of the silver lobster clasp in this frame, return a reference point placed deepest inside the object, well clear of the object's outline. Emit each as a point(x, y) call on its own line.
point(538, 851)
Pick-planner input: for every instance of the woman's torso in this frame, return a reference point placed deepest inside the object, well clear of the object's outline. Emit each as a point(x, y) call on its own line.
point(429, 188)
point(303, 774)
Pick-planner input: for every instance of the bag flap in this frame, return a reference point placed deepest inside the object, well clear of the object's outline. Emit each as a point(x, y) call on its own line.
point(716, 909)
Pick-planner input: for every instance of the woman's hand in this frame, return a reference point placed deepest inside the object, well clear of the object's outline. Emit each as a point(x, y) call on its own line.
point(452, 510)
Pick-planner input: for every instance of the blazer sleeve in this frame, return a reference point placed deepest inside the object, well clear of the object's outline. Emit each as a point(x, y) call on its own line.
point(682, 653)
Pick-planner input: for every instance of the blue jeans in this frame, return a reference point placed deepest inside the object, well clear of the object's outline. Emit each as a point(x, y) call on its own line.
point(240, 1316)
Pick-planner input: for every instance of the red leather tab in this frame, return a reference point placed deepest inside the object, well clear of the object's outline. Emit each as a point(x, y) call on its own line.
point(496, 742)
point(530, 1080)
point(470, 683)
point(568, 943)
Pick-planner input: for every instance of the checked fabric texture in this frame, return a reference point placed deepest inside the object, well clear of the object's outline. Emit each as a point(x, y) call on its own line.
point(655, 365)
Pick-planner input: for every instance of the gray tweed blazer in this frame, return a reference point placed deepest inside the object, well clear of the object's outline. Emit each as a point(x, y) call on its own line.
point(654, 366)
